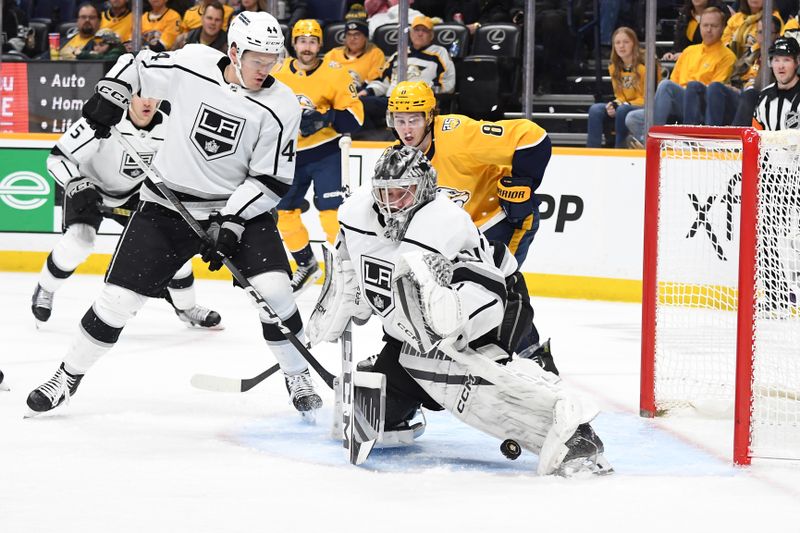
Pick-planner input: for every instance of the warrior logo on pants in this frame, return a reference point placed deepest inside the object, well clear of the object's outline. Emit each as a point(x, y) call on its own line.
point(216, 133)
point(377, 276)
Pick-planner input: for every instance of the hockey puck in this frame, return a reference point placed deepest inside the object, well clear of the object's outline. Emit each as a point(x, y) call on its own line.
point(510, 449)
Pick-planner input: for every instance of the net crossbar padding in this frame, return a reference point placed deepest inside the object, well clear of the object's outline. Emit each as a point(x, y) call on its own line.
point(721, 282)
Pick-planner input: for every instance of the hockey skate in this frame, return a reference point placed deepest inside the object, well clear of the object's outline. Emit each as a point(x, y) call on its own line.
point(305, 276)
point(201, 317)
point(585, 455)
point(41, 304)
point(54, 392)
point(403, 433)
point(303, 396)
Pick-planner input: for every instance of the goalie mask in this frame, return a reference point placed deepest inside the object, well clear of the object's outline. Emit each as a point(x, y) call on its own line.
point(404, 181)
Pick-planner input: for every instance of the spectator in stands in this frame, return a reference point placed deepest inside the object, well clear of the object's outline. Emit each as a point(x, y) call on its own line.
point(473, 13)
point(87, 25)
point(740, 32)
point(106, 45)
point(628, 78)
point(210, 32)
point(359, 56)
point(118, 18)
point(160, 26)
point(687, 27)
point(734, 102)
point(427, 62)
point(251, 5)
point(381, 12)
point(682, 97)
point(193, 18)
point(17, 35)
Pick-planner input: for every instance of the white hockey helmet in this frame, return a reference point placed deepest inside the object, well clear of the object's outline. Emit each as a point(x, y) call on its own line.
point(404, 181)
point(257, 31)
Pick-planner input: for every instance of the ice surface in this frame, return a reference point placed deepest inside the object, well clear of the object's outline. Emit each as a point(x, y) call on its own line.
point(140, 450)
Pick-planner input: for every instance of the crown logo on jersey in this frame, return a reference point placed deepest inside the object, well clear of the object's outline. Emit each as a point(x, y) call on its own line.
point(216, 133)
point(212, 147)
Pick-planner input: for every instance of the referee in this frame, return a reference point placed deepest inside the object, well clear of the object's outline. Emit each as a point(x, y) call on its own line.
point(777, 109)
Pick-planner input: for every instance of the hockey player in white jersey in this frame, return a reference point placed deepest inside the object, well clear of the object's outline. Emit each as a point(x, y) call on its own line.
point(418, 262)
point(228, 156)
point(100, 181)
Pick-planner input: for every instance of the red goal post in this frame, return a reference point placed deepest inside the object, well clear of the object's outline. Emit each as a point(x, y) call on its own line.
point(712, 333)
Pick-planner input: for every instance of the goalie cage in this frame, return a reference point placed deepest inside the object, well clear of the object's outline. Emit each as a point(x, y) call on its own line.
point(721, 279)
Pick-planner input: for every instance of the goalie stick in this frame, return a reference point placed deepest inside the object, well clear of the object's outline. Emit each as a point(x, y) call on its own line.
point(158, 181)
point(361, 425)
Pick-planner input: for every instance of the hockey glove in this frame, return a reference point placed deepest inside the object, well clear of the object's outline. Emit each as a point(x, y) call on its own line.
point(516, 198)
point(106, 106)
point(82, 196)
point(313, 121)
point(224, 233)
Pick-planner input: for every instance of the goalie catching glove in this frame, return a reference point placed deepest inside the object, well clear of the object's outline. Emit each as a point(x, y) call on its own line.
point(339, 301)
point(428, 275)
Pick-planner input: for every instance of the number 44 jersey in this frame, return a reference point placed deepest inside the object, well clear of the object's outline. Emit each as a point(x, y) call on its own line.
point(227, 148)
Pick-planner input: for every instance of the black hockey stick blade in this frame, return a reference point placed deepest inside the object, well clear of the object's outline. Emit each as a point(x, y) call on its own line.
point(226, 384)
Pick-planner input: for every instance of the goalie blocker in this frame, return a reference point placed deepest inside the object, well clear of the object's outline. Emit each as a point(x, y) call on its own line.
point(419, 263)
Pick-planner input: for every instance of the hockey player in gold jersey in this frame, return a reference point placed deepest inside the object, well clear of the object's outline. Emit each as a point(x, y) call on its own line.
point(327, 94)
point(491, 168)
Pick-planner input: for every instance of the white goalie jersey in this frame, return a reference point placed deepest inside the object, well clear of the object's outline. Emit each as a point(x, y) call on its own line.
point(227, 148)
point(104, 161)
point(439, 226)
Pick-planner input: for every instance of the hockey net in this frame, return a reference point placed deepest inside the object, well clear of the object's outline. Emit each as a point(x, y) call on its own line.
point(720, 321)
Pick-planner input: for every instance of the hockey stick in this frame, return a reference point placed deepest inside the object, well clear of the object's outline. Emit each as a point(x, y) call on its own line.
point(158, 181)
point(223, 384)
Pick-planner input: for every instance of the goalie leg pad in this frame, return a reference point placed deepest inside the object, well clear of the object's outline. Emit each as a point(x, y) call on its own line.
point(339, 300)
point(518, 401)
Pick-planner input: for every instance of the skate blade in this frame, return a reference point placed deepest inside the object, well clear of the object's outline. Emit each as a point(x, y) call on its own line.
point(218, 327)
point(30, 413)
point(311, 281)
point(585, 467)
point(309, 417)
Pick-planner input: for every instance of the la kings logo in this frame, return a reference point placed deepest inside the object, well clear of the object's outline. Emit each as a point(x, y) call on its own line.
point(377, 276)
point(131, 168)
point(216, 133)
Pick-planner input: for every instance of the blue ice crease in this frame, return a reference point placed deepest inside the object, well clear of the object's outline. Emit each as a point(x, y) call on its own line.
point(634, 446)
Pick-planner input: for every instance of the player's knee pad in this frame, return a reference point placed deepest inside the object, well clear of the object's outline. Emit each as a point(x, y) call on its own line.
point(275, 288)
point(330, 224)
point(294, 233)
point(116, 305)
point(74, 247)
point(184, 274)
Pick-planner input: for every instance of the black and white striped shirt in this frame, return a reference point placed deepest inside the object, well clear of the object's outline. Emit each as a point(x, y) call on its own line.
point(777, 109)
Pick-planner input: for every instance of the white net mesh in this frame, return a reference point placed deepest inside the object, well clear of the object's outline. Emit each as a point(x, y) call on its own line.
point(697, 274)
